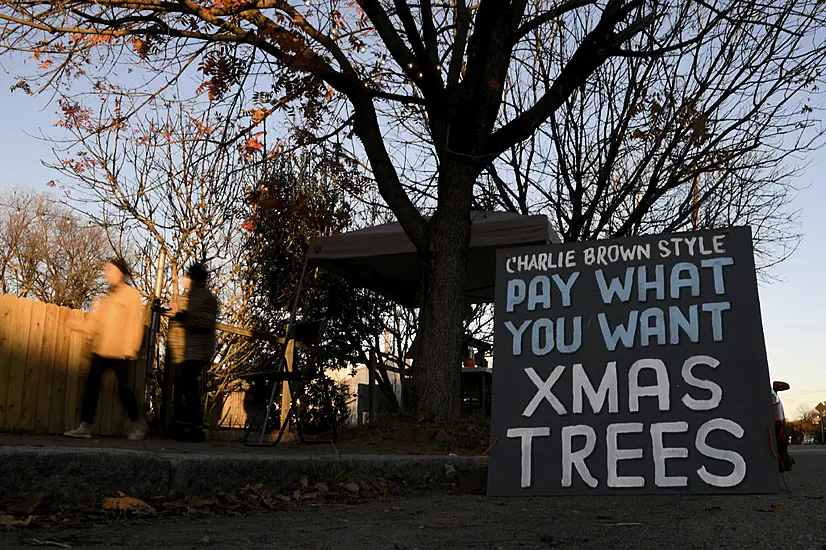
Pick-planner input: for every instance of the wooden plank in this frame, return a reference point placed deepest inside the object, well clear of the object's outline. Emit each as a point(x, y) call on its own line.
point(286, 397)
point(34, 366)
point(77, 369)
point(51, 330)
point(58, 422)
point(8, 307)
point(233, 412)
point(20, 343)
point(255, 335)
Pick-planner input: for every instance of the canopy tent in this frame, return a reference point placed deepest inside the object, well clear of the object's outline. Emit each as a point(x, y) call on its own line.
point(383, 259)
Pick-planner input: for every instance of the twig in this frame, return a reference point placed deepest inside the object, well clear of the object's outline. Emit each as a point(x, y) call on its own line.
point(38, 542)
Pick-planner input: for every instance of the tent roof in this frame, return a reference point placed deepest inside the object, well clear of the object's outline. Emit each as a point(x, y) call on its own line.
point(383, 259)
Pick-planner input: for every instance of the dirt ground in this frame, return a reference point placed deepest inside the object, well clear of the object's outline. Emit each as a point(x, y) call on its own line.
point(445, 518)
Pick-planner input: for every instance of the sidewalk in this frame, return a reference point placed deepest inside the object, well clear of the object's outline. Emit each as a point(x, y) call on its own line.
point(73, 470)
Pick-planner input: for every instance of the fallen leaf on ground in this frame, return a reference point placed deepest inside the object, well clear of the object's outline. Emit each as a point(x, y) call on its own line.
point(27, 507)
point(197, 502)
point(10, 521)
point(126, 503)
point(352, 487)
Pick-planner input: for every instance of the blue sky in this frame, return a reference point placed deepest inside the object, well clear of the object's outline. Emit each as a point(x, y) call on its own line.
point(792, 308)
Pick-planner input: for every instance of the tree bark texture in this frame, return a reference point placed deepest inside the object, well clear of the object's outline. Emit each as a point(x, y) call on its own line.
point(436, 369)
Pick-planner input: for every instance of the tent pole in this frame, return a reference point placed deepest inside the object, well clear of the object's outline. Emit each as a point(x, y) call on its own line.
point(286, 398)
point(298, 292)
point(371, 387)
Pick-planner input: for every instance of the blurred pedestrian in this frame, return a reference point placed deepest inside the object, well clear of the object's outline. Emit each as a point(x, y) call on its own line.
point(191, 346)
point(115, 326)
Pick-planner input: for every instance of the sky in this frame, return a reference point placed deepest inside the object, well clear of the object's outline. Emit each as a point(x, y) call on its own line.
point(791, 307)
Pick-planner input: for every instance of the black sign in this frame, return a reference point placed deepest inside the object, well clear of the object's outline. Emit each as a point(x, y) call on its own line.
point(631, 366)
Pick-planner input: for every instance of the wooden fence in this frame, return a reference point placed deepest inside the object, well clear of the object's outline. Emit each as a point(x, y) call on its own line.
point(43, 366)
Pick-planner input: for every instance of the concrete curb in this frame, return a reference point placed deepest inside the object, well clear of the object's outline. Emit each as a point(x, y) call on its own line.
point(76, 474)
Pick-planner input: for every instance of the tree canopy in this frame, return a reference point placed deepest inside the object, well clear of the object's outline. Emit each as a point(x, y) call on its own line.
point(436, 93)
point(48, 252)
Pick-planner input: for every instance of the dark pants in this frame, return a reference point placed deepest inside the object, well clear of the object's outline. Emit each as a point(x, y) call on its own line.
point(91, 393)
point(186, 402)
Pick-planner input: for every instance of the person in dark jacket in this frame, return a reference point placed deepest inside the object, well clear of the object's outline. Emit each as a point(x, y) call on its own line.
point(191, 346)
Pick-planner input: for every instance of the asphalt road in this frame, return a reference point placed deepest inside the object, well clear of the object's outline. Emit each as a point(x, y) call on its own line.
point(795, 518)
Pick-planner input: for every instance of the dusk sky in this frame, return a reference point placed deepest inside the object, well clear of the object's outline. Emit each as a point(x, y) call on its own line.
point(791, 307)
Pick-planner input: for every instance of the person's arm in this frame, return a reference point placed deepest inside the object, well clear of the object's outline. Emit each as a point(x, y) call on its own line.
point(134, 326)
point(88, 324)
point(178, 308)
point(200, 314)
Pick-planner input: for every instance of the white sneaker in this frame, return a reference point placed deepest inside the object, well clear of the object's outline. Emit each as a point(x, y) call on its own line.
point(84, 431)
point(139, 430)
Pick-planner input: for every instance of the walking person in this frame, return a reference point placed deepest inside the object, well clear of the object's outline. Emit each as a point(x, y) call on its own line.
point(116, 330)
point(191, 346)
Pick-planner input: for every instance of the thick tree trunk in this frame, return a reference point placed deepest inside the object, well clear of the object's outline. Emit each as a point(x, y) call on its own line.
point(437, 365)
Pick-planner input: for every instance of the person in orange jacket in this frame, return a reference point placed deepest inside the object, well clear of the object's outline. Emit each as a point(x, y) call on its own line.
point(116, 330)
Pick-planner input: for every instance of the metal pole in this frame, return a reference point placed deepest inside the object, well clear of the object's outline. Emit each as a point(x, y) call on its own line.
point(154, 324)
point(159, 273)
point(821, 429)
point(155, 319)
point(371, 387)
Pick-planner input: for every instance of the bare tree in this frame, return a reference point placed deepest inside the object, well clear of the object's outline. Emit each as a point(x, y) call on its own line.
point(806, 414)
point(700, 137)
point(48, 252)
point(160, 183)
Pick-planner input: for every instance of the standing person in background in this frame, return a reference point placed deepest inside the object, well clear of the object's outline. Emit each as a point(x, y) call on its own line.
point(116, 330)
point(191, 345)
